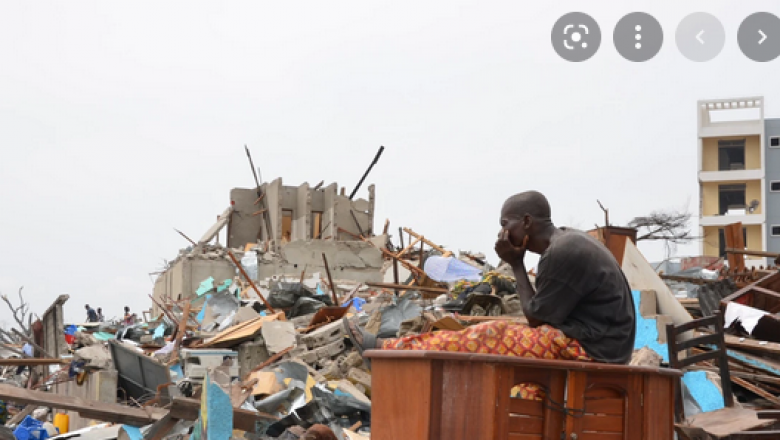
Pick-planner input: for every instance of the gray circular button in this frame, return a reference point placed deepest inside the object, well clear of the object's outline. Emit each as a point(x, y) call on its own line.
point(700, 37)
point(759, 36)
point(576, 36)
point(638, 36)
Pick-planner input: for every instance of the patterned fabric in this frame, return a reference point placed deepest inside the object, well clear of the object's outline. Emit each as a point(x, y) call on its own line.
point(499, 337)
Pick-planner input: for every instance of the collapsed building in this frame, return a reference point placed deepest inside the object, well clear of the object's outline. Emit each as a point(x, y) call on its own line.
point(288, 228)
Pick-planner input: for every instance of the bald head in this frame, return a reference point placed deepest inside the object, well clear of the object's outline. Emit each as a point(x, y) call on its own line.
point(532, 203)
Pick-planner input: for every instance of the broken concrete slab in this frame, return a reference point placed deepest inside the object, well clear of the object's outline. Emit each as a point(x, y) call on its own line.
point(97, 356)
point(324, 335)
point(278, 336)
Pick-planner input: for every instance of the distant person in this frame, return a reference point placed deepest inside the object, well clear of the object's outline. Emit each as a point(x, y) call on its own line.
point(92, 315)
point(129, 318)
point(100, 314)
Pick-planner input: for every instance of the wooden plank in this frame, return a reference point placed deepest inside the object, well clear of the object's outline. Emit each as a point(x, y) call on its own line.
point(516, 436)
point(108, 412)
point(658, 406)
point(757, 390)
point(608, 406)
point(735, 240)
point(401, 415)
point(445, 252)
point(161, 428)
point(532, 408)
point(526, 425)
point(607, 436)
point(751, 344)
point(405, 287)
point(33, 362)
point(602, 424)
point(246, 330)
point(576, 386)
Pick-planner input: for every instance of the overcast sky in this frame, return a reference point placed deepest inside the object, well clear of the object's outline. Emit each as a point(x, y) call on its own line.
point(121, 121)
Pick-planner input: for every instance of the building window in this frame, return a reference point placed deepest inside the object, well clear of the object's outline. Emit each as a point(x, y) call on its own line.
point(287, 215)
point(775, 230)
point(722, 240)
point(774, 142)
point(731, 198)
point(316, 224)
point(731, 155)
point(774, 186)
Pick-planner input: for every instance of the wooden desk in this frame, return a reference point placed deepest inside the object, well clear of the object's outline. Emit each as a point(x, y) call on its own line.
point(421, 395)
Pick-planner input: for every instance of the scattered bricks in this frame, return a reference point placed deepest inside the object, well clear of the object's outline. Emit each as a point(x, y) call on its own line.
point(320, 353)
point(352, 360)
point(323, 335)
point(331, 371)
point(358, 376)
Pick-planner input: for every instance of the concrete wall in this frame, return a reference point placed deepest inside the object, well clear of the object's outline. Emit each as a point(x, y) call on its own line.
point(752, 152)
point(100, 386)
point(302, 214)
point(273, 195)
point(349, 260)
point(185, 276)
point(243, 227)
point(710, 202)
point(772, 172)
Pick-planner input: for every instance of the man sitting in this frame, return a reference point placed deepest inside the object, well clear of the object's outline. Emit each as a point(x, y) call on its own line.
point(582, 308)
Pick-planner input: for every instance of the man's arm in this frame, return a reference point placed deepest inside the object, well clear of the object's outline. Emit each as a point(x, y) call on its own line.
point(525, 292)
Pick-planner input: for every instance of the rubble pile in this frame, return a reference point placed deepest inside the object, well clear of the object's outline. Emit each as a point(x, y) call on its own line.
point(249, 339)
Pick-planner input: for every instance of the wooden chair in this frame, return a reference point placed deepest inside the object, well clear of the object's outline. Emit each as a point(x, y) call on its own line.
point(718, 353)
point(694, 429)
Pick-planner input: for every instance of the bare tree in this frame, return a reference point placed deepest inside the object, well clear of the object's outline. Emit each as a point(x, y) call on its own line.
point(21, 315)
point(671, 227)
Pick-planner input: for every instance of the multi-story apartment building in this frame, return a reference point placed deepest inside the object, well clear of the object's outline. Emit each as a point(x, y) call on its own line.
point(739, 174)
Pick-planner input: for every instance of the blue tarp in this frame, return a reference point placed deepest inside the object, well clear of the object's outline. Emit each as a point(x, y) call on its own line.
point(450, 269)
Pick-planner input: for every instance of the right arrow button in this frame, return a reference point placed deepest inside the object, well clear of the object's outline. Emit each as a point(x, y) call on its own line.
point(757, 37)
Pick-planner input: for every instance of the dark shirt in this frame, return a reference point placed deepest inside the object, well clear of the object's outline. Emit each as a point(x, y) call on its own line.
point(581, 290)
point(92, 315)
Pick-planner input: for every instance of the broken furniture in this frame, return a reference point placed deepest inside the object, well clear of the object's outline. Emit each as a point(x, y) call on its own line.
point(715, 340)
point(141, 377)
point(756, 308)
point(420, 395)
point(728, 422)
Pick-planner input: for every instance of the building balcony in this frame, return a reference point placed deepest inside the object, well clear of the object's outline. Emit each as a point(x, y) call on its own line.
point(730, 176)
point(723, 220)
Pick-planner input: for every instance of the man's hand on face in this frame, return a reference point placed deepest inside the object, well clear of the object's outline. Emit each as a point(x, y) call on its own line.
point(509, 252)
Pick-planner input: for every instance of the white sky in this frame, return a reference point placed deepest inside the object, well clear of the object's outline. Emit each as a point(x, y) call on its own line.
point(119, 122)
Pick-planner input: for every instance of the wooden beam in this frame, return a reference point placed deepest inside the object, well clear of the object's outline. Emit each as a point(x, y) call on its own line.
point(32, 362)
point(445, 253)
point(405, 287)
point(735, 240)
point(735, 251)
point(108, 412)
point(251, 283)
